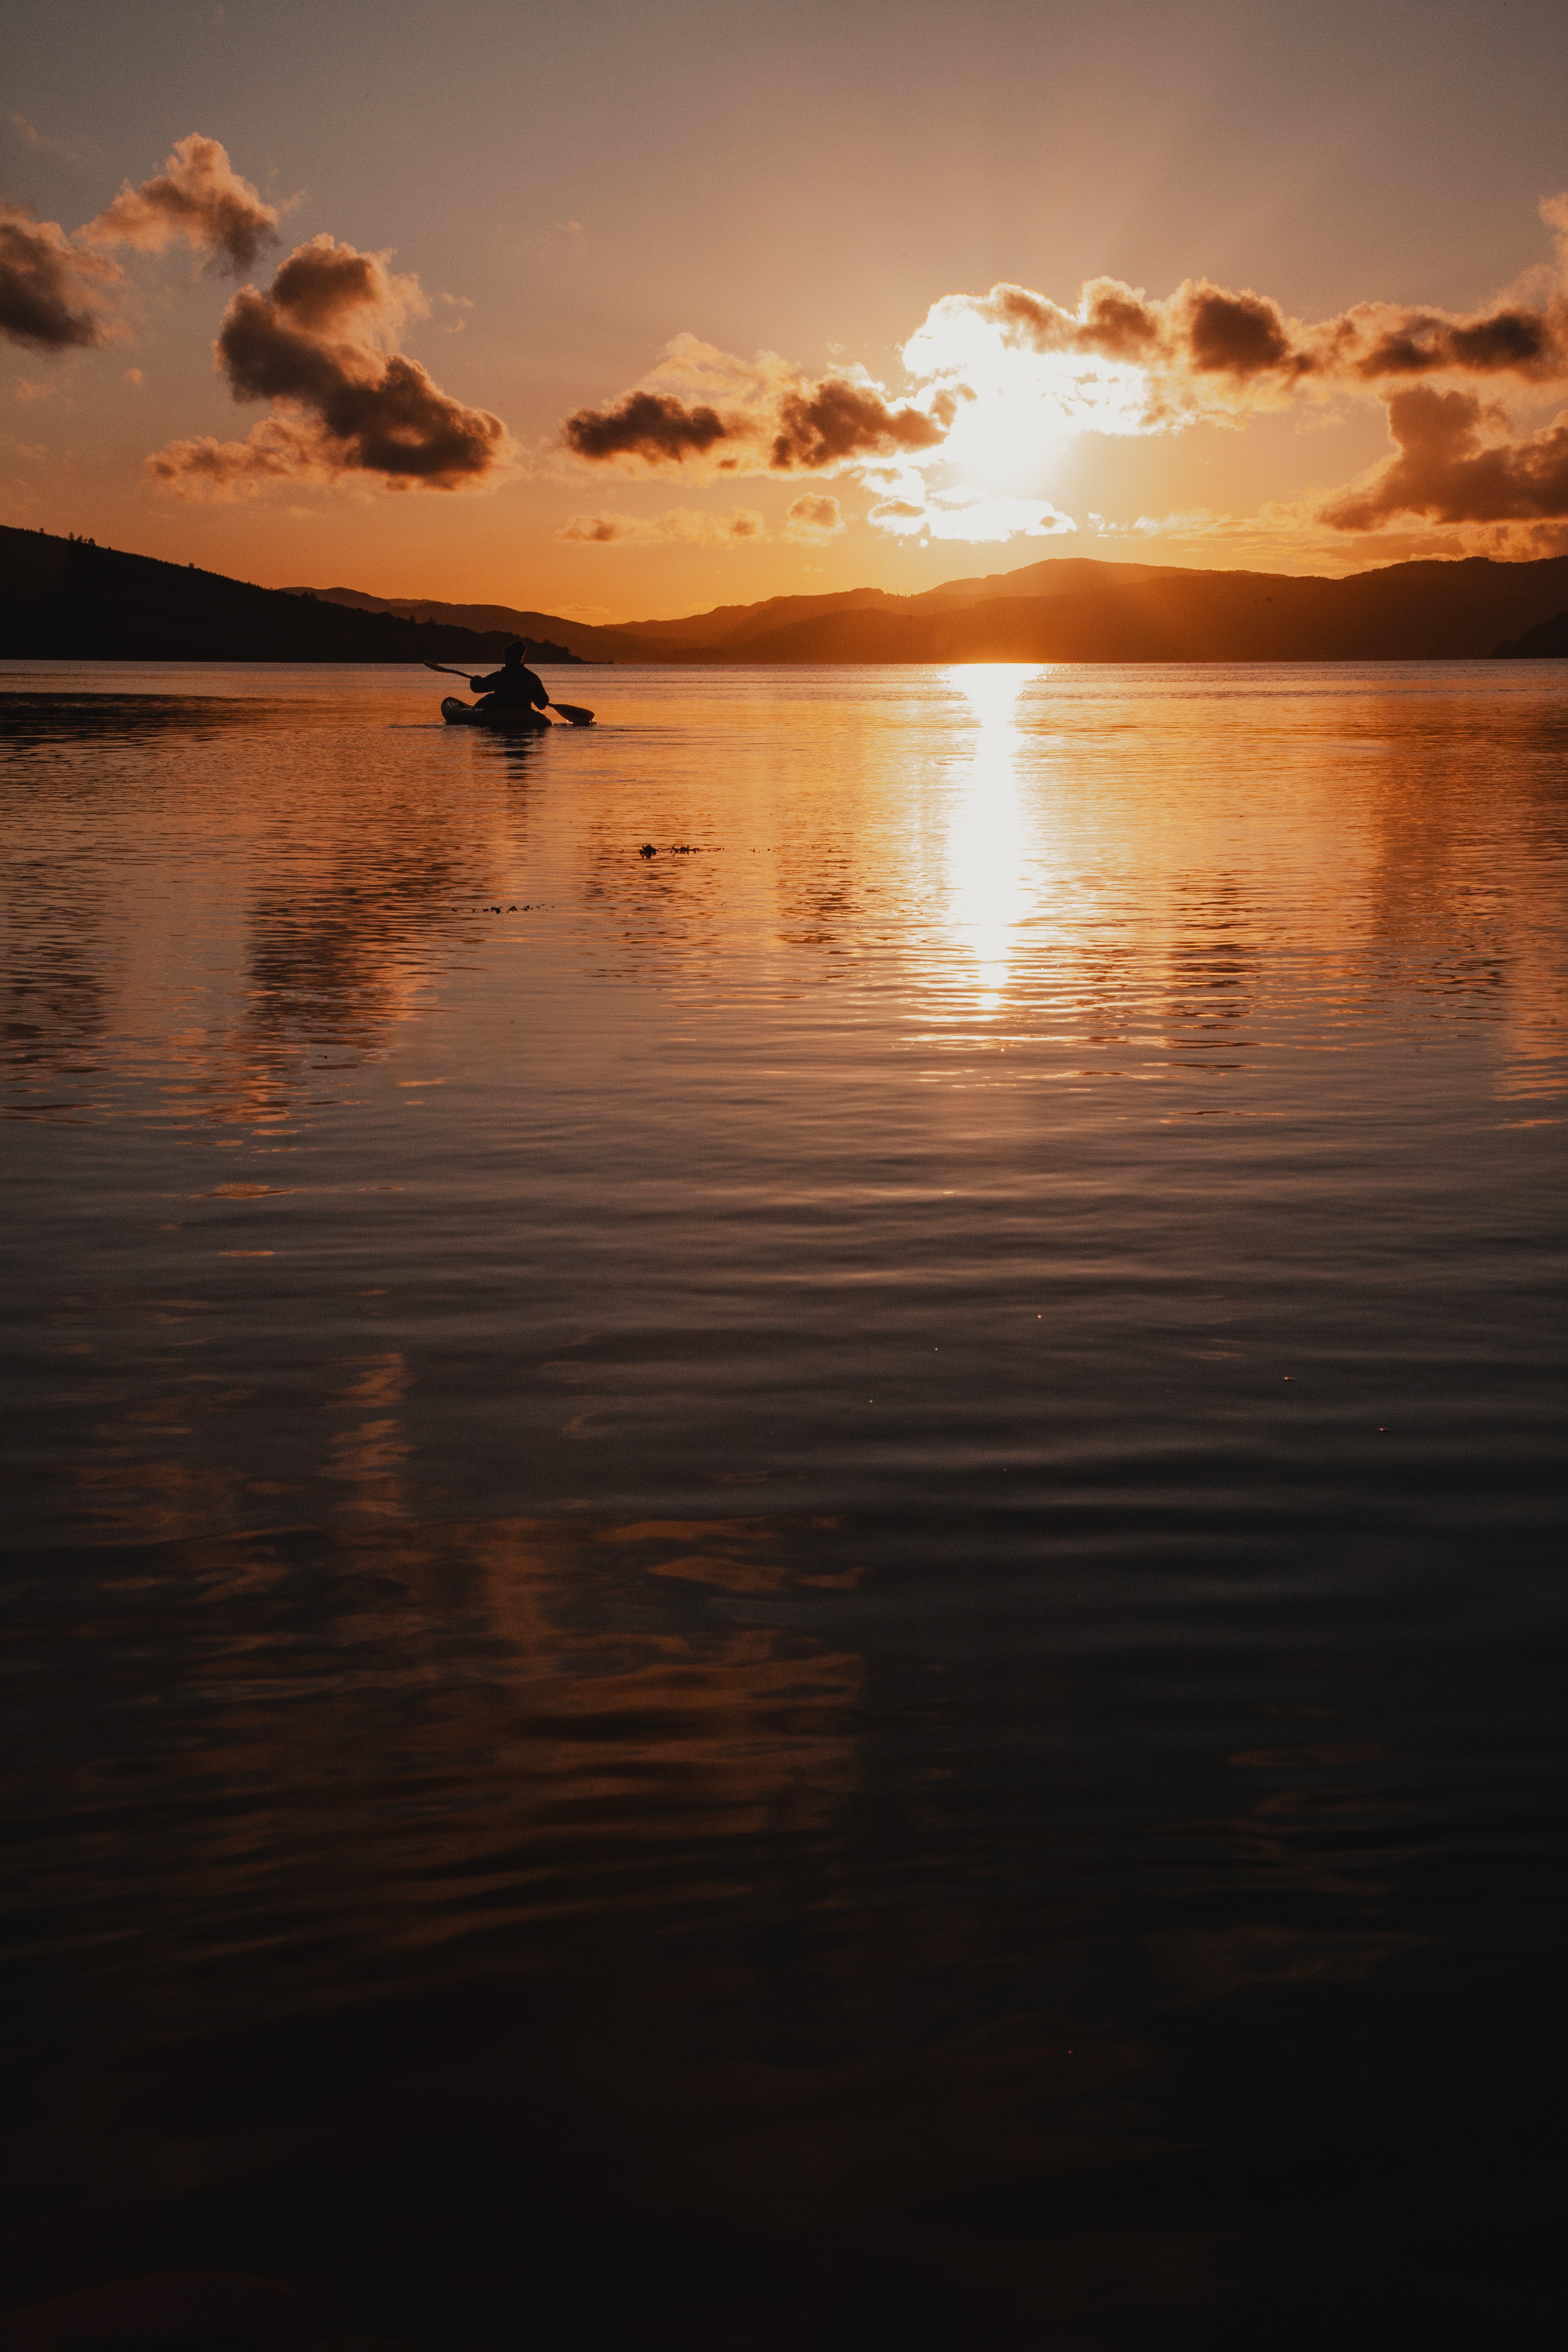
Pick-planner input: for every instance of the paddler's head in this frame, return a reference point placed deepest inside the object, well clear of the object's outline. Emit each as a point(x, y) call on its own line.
point(515, 652)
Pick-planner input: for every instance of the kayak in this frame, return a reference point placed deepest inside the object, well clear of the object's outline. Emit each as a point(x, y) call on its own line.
point(513, 721)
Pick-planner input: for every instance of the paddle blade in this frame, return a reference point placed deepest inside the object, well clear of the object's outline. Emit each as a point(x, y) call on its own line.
point(572, 711)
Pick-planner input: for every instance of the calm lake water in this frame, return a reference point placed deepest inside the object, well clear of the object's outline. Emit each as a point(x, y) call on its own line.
point(806, 1593)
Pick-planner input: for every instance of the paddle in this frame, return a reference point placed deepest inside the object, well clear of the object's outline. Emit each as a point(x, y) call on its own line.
point(573, 713)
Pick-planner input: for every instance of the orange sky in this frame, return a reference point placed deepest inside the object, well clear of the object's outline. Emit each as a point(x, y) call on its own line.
point(625, 311)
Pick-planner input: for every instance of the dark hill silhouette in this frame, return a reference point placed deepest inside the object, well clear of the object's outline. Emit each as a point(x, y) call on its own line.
point(1074, 609)
point(68, 599)
point(486, 620)
point(1548, 641)
point(628, 641)
point(61, 597)
point(1409, 611)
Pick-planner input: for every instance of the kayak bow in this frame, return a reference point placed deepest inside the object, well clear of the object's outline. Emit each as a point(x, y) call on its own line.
point(500, 722)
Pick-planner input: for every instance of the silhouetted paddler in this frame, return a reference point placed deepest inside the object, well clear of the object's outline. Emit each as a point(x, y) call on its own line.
point(513, 687)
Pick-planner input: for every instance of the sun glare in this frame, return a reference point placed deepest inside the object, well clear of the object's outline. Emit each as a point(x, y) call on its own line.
point(1018, 408)
point(985, 838)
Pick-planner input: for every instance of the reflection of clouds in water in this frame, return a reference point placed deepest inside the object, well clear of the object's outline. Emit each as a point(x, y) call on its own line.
point(341, 932)
point(339, 963)
point(543, 1825)
point(241, 880)
point(532, 1672)
point(985, 852)
point(64, 944)
point(367, 1455)
point(1214, 946)
point(55, 984)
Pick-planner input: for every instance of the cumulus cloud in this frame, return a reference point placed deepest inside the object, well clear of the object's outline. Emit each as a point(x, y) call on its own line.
point(197, 199)
point(709, 414)
point(1457, 464)
point(681, 526)
point(1117, 362)
point(53, 288)
point(50, 290)
point(322, 346)
point(813, 517)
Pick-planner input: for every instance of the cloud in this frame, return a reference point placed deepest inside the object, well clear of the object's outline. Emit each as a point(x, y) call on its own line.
point(683, 526)
point(1119, 362)
point(837, 420)
point(50, 291)
point(813, 517)
point(1208, 340)
point(1028, 373)
point(53, 287)
point(198, 199)
point(654, 426)
point(969, 516)
point(41, 144)
point(709, 414)
point(322, 346)
point(1447, 469)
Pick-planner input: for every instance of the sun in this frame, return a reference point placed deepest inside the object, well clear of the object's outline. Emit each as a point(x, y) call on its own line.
point(1019, 409)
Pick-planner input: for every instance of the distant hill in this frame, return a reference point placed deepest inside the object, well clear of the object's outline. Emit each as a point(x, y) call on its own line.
point(1548, 641)
point(1084, 611)
point(488, 620)
point(66, 597)
point(1074, 609)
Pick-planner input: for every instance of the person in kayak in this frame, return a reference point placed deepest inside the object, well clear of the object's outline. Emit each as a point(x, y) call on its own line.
point(512, 687)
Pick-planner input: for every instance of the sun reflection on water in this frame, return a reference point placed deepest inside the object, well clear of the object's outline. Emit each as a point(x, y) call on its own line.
point(985, 854)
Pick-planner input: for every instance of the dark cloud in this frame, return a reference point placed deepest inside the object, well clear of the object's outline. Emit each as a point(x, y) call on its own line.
point(1208, 348)
point(198, 199)
point(1447, 470)
point(321, 345)
point(1120, 324)
point(653, 425)
point(1524, 342)
point(49, 291)
point(51, 285)
point(1200, 329)
point(710, 414)
point(837, 421)
point(1237, 334)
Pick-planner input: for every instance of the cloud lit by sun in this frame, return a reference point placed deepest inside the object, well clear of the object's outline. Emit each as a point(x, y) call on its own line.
point(999, 385)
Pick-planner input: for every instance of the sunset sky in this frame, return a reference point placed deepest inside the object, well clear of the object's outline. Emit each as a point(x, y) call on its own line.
point(620, 311)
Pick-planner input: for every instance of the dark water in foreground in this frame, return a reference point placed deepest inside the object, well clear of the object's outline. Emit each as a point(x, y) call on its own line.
point(805, 1593)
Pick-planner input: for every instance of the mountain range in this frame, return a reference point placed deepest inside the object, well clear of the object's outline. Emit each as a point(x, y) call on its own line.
point(1074, 609)
point(70, 598)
